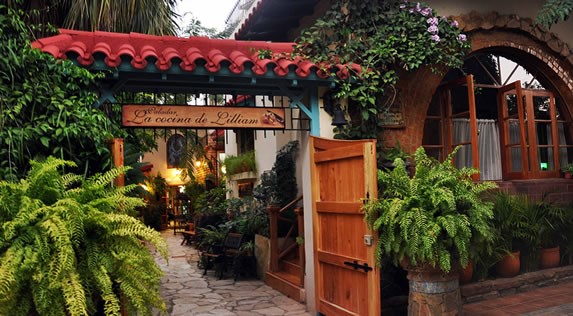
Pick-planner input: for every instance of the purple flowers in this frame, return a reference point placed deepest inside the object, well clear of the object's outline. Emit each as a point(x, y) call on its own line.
point(426, 11)
point(433, 29)
point(432, 21)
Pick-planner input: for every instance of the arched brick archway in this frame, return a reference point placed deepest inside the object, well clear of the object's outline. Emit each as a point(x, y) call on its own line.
point(510, 36)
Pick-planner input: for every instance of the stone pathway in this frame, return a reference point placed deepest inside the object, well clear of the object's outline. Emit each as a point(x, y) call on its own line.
point(187, 292)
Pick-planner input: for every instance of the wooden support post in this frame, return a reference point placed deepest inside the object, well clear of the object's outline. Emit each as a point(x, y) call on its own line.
point(299, 211)
point(117, 158)
point(274, 236)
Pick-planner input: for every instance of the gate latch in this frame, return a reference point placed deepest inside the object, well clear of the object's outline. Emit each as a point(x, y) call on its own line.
point(357, 266)
point(368, 240)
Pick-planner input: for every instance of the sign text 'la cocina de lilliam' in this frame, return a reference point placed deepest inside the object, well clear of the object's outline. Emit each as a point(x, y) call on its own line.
point(183, 116)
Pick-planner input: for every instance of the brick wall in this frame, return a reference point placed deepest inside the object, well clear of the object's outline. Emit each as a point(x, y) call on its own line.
point(559, 191)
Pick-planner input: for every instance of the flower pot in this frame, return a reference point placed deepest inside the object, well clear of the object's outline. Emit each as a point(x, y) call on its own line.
point(467, 273)
point(549, 257)
point(433, 292)
point(567, 175)
point(509, 265)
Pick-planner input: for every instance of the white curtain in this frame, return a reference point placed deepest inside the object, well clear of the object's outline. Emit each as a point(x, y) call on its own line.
point(488, 147)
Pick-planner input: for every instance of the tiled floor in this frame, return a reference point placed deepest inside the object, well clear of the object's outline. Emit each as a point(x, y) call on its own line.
point(551, 300)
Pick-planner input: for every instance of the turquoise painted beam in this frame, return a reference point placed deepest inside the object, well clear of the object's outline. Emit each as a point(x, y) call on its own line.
point(315, 113)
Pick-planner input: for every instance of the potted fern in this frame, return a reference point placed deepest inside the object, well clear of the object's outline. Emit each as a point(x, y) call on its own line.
point(429, 223)
point(68, 246)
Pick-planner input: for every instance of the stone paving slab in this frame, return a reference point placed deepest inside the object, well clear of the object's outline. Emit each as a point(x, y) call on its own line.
point(187, 292)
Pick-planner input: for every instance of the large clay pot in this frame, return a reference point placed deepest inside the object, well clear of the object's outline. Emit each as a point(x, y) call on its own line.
point(467, 273)
point(509, 265)
point(433, 292)
point(549, 257)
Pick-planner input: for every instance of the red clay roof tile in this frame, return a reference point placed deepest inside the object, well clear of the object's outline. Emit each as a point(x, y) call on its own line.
point(168, 51)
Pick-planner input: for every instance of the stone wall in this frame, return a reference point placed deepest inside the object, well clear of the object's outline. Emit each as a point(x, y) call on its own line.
point(490, 289)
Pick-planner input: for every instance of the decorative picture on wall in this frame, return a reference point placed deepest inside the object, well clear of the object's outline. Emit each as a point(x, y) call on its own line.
point(175, 150)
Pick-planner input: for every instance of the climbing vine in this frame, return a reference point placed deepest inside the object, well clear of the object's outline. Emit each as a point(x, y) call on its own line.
point(384, 38)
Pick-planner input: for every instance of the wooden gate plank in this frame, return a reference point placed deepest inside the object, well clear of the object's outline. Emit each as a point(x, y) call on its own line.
point(343, 174)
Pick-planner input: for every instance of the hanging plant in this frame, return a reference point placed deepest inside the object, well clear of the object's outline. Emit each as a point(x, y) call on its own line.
point(383, 37)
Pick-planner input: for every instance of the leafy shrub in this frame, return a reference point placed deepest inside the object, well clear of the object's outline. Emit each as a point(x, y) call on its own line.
point(67, 245)
point(436, 217)
point(241, 163)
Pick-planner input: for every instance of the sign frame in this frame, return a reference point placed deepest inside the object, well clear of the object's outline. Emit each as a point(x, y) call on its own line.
point(202, 117)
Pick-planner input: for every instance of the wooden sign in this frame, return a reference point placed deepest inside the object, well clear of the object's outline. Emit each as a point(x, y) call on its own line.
point(393, 118)
point(182, 116)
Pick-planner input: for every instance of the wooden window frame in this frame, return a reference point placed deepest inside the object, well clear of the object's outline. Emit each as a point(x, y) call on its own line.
point(528, 132)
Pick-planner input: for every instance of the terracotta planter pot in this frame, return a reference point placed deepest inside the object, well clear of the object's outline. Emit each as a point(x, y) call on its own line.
point(567, 175)
point(549, 257)
point(467, 273)
point(509, 265)
point(433, 291)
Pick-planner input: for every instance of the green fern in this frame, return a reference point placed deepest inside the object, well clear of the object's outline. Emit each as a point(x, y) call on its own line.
point(554, 11)
point(435, 217)
point(67, 245)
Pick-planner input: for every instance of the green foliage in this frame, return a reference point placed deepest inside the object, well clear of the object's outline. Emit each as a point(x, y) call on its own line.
point(248, 217)
point(285, 170)
point(212, 202)
point(384, 38)
point(46, 106)
point(554, 11)
point(435, 217)
point(271, 190)
point(157, 186)
point(155, 17)
point(152, 215)
point(568, 168)
point(241, 163)
point(67, 244)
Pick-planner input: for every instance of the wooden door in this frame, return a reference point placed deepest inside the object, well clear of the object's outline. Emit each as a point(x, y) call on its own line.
point(343, 176)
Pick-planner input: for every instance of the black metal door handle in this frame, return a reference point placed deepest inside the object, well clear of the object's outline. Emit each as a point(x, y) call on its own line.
point(357, 266)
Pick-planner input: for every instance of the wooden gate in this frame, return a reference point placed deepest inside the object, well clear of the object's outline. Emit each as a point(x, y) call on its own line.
point(343, 176)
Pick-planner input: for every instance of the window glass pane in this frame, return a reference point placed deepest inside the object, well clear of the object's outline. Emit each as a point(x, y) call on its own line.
point(541, 107)
point(432, 132)
point(434, 109)
point(463, 157)
point(435, 152)
point(511, 105)
point(514, 132)
point(543, 131)
point(460, 101)
point(564, 133)
point(515, 159)
point(545, 157)
point(565, 156)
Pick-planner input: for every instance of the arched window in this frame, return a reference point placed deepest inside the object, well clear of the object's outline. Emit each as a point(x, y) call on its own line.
point(507, 123)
